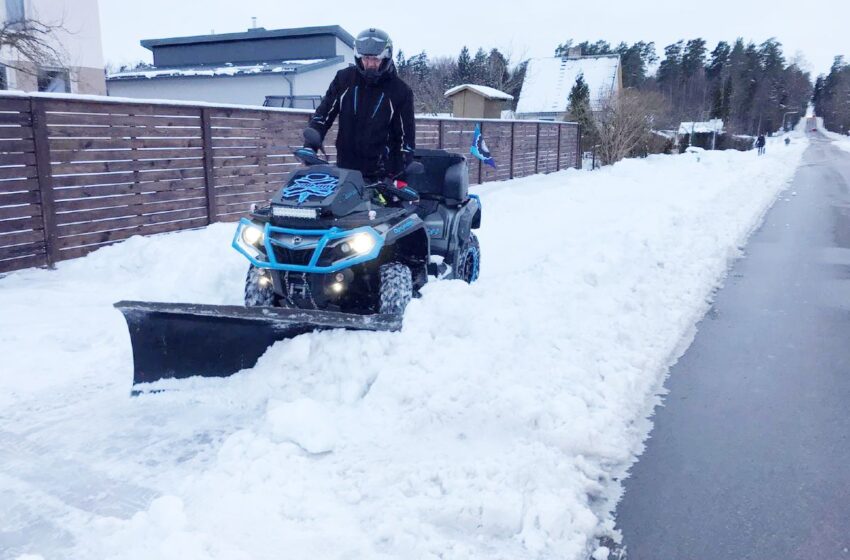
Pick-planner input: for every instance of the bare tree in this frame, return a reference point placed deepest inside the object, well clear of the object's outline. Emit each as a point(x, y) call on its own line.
point(33, 44)
point(624, 123)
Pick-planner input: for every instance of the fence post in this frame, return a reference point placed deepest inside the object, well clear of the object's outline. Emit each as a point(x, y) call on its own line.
point(537, 150)
point(579, 154)
point(209, 178)
point(513, 125)
point(558, 152)
point(45, 179)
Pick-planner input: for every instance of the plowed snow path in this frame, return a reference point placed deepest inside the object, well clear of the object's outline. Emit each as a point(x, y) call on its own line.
point(497, 424)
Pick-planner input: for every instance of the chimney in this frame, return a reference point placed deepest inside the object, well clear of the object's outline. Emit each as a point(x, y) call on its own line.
point(574, 52)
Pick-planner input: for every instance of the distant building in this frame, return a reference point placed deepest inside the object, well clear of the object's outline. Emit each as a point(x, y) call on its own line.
point(472, 101)
point(290, 67)
point(76, 40)
point(701, 134)
point(548, 82)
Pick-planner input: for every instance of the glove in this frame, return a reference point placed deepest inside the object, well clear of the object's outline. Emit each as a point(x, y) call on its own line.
point(312, 139)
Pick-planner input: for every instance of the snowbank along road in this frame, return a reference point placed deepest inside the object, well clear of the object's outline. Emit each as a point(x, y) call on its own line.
point(497, 424)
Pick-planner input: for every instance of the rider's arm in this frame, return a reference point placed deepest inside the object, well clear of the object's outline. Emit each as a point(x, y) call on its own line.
point(328, 109)
point(404, 130)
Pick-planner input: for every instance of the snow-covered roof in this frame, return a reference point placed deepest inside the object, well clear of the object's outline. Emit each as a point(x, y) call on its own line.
point(548, 82)
point(485, 91)
point(227, 69)
point(707, 127)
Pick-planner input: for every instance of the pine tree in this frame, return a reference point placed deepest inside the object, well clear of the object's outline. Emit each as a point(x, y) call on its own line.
point(579, 111)
point(464, 67)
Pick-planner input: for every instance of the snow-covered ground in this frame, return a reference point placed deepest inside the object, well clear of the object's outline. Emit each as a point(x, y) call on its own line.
point(498, 423)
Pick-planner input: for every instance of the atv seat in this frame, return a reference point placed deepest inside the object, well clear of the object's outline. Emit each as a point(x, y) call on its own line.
point(445, 178)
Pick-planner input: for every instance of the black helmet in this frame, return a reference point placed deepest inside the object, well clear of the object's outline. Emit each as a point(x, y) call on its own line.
point(373, 42)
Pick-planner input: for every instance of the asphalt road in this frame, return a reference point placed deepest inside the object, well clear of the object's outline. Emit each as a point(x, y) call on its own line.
point(750, 455)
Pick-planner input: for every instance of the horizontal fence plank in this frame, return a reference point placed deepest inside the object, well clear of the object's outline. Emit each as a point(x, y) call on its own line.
point(67, 230)
point(128, 188)
point(131, 165)
point(27, 197)
point(17, 145)
point(100, 202)
point(24, 250)
point(59, 119)
point(18, 237)
point(18, 172)
point(20, 211)
point(17, 159)
point(19, 224)
point(22, 263)
point(14, 104)
point(140, 209)
point(113, 108)
point(102, 237)
point(123, 154)
point(119, 143)
point(23, 119)
point(13, 185)
point(123, 132)
point(128, 177)
point(23, 132)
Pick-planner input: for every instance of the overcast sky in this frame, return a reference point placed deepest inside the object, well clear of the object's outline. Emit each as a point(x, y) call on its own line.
point(524, 28)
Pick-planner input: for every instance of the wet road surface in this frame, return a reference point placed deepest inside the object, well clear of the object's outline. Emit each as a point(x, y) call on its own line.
point(750, 455)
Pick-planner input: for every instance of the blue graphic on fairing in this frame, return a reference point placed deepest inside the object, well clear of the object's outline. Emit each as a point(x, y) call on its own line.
point(479, 148)
point(312, 184)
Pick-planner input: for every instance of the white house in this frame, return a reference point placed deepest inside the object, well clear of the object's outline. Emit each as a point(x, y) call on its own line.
point(74, 35)
point(548, 82)
point(286, 67)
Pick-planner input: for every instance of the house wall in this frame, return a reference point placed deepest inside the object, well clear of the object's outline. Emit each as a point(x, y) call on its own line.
point(344, 50)
point(240, 90)
point(469, 105)
point(79, 41)
point(493, 108)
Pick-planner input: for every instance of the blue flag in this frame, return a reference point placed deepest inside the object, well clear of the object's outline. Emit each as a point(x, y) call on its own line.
point(479, 148)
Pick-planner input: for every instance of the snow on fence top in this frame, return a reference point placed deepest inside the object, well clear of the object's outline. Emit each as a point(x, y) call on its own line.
point(548, 82)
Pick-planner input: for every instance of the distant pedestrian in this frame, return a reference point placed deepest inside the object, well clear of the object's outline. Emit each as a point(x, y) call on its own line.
point(760, 142)
point(787, 140)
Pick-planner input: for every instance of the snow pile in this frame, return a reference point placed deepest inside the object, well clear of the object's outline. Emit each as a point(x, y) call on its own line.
point(497, 424)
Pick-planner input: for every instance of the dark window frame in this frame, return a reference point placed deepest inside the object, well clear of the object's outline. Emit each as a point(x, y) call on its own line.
point(44, 75)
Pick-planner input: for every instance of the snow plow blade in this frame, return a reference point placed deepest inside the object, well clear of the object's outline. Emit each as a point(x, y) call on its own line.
point(178, 340)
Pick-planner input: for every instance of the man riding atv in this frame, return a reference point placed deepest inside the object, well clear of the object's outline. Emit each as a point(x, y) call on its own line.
point(377, 131)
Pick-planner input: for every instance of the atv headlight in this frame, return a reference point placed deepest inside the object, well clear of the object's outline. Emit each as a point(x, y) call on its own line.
point(362, 243)
point(252, 235)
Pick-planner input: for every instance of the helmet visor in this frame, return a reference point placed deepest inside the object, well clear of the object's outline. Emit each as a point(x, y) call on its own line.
point(370, 46)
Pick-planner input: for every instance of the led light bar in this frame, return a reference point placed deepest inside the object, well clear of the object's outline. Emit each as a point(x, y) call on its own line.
point(289, 212)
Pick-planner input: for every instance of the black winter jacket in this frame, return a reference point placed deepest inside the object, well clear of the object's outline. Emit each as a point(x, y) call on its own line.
point(377, 132)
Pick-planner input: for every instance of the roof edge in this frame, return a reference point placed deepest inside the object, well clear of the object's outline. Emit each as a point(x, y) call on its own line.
point(335, 30)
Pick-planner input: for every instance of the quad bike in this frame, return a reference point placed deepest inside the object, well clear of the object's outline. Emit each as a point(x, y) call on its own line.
point(330, 250)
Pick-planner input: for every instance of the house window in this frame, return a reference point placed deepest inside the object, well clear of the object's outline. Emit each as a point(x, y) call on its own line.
point(54, 80)
point(15, 11)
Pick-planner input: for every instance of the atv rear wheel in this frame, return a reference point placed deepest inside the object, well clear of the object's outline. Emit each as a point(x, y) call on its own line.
point(468, 260)
point(259, 291)
point(396, 288)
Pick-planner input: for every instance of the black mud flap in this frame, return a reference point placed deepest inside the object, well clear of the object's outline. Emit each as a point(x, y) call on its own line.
point(177, 340)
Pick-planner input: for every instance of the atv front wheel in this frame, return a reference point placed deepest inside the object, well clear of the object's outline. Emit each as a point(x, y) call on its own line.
point(396, 288)
point(259, 291)
point(468, 261)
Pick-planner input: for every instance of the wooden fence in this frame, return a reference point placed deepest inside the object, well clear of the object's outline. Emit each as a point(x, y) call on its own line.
point(77, 174)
